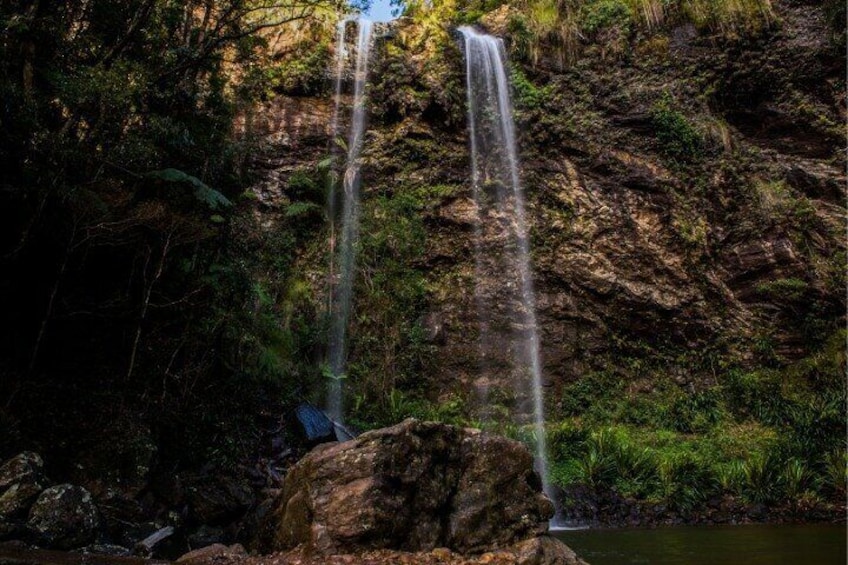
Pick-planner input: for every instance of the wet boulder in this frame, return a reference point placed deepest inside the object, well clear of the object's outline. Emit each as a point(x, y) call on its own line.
point(64, 517)
point(28, 467)
point(415, 486)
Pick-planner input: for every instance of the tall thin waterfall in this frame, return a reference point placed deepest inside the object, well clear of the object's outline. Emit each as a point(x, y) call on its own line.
point(332, 179)
point(345, 256)
point(500, 204)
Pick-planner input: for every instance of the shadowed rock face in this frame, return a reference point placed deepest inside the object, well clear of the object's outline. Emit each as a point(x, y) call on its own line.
point(64, 517)
point(414, 486)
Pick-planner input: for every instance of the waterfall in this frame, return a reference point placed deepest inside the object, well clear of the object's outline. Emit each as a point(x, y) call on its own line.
point(345, 255)
point(500, 204)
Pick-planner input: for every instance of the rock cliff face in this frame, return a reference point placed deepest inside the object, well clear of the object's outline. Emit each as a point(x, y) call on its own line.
point(686, 199)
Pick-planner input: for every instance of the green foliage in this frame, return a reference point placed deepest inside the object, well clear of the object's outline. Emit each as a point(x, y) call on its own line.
point(297, 209)
point(788, 290)
point(729, 476)
point(760, 479)
point(835, 11)
point(696, 413)
point(304, 185)
point(208, 196)
point(554, 30)
point(301, 72)
point(564, 438)
point(305, 211)
point(546, 29)
point(598, 15)
point(427, 197)
point(528, 96)
point(677, 137)
point(684, 481)
point(390, 346)
point(836, 473)
point(729, 16)
point(397, 405)
point(773, 436)
point(796, 479)
point(592, 390)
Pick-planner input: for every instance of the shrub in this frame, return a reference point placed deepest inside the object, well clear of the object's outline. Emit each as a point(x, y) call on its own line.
point(527, 95)
point(565, 440)
point(789, 289)
point(760, 479)
point(635, 469)
point(302, 185)
point(696, 413)
point(836, 473)
point(588, 392)
point(550, 26)
point(602, 14)
point(302, 73)
point(796, 479)
point(684, 481)
point(729, 476)
point(677, 137)
point(835, 12)
point(726, 16)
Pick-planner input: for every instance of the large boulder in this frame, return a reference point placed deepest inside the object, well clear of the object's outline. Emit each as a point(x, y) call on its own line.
point(64, 517)
point(415, 486)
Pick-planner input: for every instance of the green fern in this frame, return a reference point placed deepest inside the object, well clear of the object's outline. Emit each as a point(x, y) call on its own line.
point(202, 192)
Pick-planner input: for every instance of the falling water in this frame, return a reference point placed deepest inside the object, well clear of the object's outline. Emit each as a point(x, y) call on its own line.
point(342, 292)
point(500, 204)
point(340, 58)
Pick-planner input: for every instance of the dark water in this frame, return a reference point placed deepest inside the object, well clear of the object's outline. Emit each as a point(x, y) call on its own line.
point(711, 545)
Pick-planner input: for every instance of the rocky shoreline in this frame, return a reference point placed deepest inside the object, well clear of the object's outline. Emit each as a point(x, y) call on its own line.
point(412, 493)
point(416, 492)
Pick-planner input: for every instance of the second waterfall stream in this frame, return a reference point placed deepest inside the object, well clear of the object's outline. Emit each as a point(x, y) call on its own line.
point(499, 201)
point(344, 255)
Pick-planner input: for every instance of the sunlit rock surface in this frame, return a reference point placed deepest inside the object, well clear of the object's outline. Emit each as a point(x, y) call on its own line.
point(415, 486)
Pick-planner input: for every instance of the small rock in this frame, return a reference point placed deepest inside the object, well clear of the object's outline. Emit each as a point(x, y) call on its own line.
point(28, 467)
point(217, 551)
point(204, 536)
point(544, 550)
point(442, 553)
point(17, 499)
point(106, 549)
point(64, 517)
point(21, 481)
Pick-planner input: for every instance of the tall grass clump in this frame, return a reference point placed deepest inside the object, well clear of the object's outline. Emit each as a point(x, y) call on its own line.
point(556, 30)
point(796, 479)
point(836, 473)
point(760, 479)
point(546, 26)
point(652, 13)
point(729, 16)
